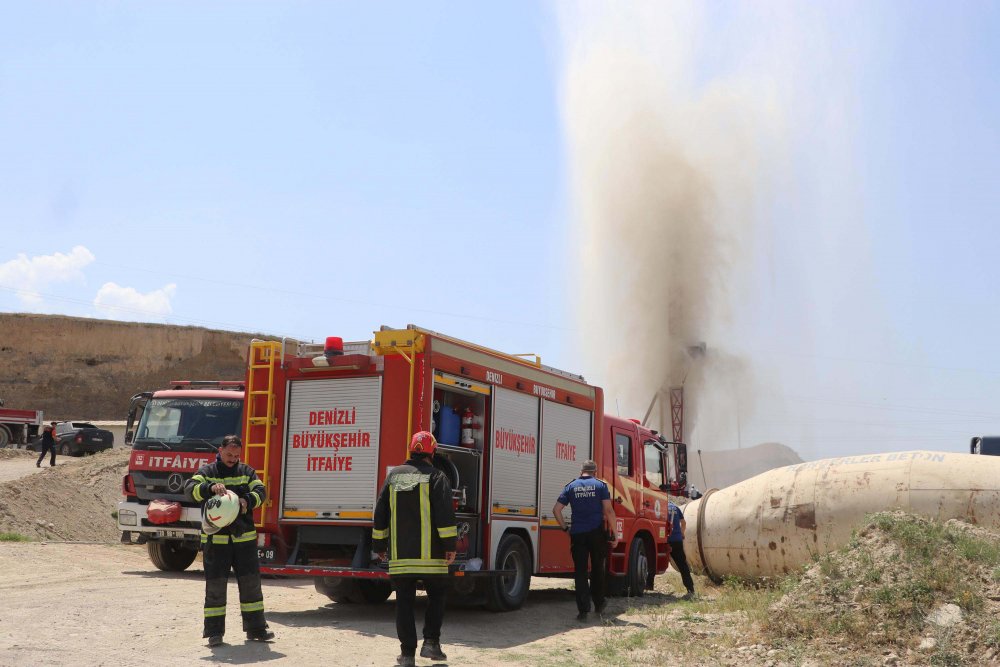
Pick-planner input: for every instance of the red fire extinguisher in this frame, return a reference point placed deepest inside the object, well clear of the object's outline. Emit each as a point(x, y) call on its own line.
point(467, 425)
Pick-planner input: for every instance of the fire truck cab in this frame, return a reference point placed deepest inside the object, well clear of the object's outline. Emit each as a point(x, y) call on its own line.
point(172, 432)
point(323, 425)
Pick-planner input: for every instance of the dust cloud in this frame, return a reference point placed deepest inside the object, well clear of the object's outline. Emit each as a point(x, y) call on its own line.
point(671, 152)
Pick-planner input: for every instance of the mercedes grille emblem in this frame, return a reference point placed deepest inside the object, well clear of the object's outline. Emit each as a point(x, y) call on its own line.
point(175, 483)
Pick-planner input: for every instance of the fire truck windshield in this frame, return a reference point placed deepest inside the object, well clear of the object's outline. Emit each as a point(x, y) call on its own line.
point(188, 424)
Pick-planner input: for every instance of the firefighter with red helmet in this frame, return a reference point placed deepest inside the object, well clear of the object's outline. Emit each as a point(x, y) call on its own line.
point(415, 520)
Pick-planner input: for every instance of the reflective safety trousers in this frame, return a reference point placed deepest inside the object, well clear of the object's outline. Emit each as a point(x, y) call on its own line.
point(415, 518)
point(220, 559)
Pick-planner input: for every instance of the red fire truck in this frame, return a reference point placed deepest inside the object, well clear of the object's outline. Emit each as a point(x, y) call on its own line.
point(173, 432)
point(322, 428)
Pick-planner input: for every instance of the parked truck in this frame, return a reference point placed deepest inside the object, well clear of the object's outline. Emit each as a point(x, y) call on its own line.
point(323, 425)
point(172, 432)
point(19, 427)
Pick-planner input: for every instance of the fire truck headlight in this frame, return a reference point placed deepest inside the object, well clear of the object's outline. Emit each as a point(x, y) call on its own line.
point(127, 518)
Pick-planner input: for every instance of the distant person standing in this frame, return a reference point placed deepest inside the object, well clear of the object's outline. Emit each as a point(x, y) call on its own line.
point(678, 525)
point(593, 521)
point(48, 444)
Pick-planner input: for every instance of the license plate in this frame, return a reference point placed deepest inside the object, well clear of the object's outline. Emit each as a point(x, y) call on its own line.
point(176, 534)
point(265, 554)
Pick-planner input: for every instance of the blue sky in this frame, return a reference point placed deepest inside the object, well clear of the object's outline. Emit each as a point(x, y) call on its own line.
point(332, 153)
point(310, 169)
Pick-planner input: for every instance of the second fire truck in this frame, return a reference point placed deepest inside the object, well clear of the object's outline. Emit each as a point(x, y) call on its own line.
point(173, 431)
point(323, 425)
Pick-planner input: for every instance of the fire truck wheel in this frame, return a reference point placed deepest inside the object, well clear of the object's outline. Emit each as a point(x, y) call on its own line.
point(339, 589)
point(638, 569)
point(615, 585)
point(371, 591)
point(170, 556)
point(507, 593)
point(5, 437)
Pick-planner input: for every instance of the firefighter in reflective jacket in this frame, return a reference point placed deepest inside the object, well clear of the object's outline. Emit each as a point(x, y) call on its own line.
point(414, 515)
point(233, 547)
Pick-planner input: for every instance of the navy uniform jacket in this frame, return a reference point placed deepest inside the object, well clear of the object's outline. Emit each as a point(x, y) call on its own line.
point(586, 496)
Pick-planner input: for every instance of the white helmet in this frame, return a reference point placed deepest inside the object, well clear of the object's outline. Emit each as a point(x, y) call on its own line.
point(218, 512)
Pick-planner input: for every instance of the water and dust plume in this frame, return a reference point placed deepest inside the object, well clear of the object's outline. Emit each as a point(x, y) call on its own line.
point(671, 148)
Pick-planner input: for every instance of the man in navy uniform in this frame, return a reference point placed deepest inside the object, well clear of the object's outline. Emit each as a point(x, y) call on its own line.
point(593, 523)
point(676, 541)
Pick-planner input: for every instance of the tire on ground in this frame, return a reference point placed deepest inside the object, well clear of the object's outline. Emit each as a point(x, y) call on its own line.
point(6, 439)
point(371, 591)
point(170, 556)
point(507, 593)
point(638, 569)
point(616, 586)
point(64, 449)
point(338, 589)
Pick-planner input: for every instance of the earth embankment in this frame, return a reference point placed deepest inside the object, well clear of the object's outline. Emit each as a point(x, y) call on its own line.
point(77, 368)
point(73, 501)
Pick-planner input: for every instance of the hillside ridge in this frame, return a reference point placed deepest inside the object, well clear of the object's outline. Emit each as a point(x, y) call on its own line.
point(80, 368)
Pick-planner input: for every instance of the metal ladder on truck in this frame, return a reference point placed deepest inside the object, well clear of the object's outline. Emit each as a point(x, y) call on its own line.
point(264, 357)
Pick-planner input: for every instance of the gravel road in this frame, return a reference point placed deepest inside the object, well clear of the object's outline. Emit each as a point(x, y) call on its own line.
point(87, 604)
point(23, 464)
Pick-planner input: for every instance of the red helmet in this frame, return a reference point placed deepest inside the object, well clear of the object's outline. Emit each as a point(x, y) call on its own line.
point(423, 442)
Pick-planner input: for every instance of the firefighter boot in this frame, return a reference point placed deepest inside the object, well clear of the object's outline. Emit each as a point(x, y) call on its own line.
point(406, 661)
point(215, 640)
point(262, 635)
point(432, 649)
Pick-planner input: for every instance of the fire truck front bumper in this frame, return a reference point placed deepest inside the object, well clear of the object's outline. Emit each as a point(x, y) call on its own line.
point(132, 517)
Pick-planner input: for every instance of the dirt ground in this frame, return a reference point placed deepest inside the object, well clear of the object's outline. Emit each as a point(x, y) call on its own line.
point(70, 600)
point(74, 595)
point(72, 501)
point(17, 463)
point(107, 605)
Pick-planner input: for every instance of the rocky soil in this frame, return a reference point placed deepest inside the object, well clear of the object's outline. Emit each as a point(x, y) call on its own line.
point(72, 501)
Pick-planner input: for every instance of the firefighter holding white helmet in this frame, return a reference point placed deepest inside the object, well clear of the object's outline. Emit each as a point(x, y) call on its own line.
point(229, 492)
point(414, 516)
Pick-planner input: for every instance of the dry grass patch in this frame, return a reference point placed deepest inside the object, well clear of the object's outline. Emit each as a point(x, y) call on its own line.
point(879, 593)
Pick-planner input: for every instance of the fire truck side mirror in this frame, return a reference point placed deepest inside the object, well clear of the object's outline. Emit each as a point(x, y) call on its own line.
point(129, 435)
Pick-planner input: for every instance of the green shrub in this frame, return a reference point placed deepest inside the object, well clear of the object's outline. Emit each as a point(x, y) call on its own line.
point(14, 537)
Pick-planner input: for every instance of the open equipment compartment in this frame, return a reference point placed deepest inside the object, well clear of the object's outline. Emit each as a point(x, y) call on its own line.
point(460, 450)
